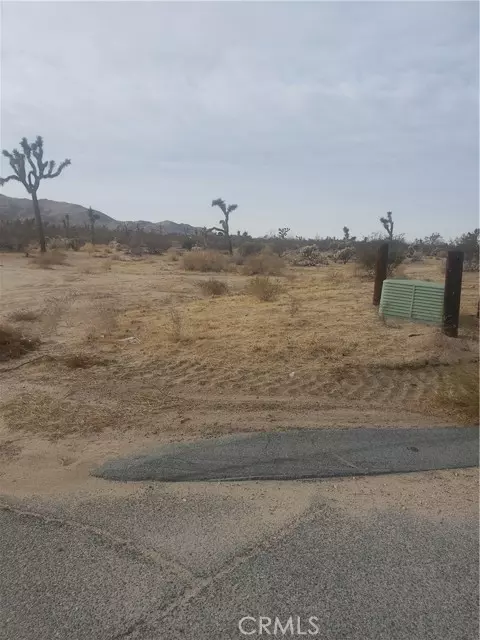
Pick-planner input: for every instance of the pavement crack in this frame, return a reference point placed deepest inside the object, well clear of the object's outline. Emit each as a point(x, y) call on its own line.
point(145, 554)
point(229, 566)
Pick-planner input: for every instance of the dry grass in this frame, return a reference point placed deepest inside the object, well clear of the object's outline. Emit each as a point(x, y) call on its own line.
point(205, 261)
point(175, 325)
point(264, 263)
point(54, 311)
point(294, 306)
point(106, 265)
point(264, 288)
point(24, 315)
point(13, 344)
point(49, 259)
point(56, 417)
point(101, 320)
point(213, 287)
point(458, 393)
point(320, 343)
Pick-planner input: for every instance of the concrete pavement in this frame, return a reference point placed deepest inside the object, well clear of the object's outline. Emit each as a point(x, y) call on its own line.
point(383, 557)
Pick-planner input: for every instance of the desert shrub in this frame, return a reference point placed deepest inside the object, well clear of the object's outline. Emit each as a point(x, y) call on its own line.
point(308, 256)
point(415, 256)
point(344, 255)
point(13, 344)
point(213, 287)
point(470, 265)
point(265, 263)
point(205, 261)
point(188, 244)
point(75, 244)
point(88, 247)
point(469, 243)
point(264, 288)
point(367, 258)
point(106, 265)
point(49, 259)
point(334, 277)
point(395, 258)
point(280, 245)
point(250, 248)
point(58, 242)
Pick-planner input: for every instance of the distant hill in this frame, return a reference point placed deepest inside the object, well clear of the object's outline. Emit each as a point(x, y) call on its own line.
point(54, 212)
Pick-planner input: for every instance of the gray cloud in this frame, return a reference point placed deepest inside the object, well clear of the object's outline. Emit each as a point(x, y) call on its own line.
point(307, 114)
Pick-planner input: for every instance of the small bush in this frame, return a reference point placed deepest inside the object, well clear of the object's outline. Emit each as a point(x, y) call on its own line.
point(415, 256)
point(88, 247)
point(264, 288)
point(250, 248)
point(49, 259)
point(334, 277)
point(13, 344)
point(205, 261)
point(265, 263)
point(188, 244)
point(344, 255)
point(471, 265)
point(106, 265)
point(213, 287)
point(367, 258)
point(24, 316)
point(308, 256)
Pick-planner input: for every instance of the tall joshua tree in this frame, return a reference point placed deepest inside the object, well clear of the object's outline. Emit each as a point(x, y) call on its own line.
point(225, 226)
point(29, 168)
point(92, 218)
point(388, 224)
point(66, 224)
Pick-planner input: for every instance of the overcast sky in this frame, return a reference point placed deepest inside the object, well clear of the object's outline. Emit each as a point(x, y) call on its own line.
point(307, 115)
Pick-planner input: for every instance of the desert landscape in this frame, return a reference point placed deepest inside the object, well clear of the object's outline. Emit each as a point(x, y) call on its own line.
point(118, 351)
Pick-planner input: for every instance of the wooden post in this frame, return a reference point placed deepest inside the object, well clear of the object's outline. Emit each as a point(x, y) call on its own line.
point(380, 272)
point(453, 289)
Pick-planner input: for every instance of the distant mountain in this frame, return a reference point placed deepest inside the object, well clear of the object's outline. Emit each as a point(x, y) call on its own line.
point(54, 212)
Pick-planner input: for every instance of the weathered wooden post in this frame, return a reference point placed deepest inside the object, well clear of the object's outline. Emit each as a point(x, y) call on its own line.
point(453, 290)
point(380, 272)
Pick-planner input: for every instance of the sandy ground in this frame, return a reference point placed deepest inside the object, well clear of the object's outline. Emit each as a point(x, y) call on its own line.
point(162, 362)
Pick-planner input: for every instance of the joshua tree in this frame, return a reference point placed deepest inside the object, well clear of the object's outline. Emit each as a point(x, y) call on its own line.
point(346, 234)
point(92, 217)
point(283, 232)
point(29, 168)
point(66, 224)
point(388, 224)
point(225, 228)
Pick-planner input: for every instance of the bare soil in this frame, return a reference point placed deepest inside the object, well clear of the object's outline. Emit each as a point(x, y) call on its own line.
point(133, 352)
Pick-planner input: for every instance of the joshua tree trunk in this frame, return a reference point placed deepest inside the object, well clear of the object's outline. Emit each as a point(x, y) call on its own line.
point(38, 219)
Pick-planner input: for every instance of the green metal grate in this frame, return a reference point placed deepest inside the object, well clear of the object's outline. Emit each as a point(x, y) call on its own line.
point(412, 299)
